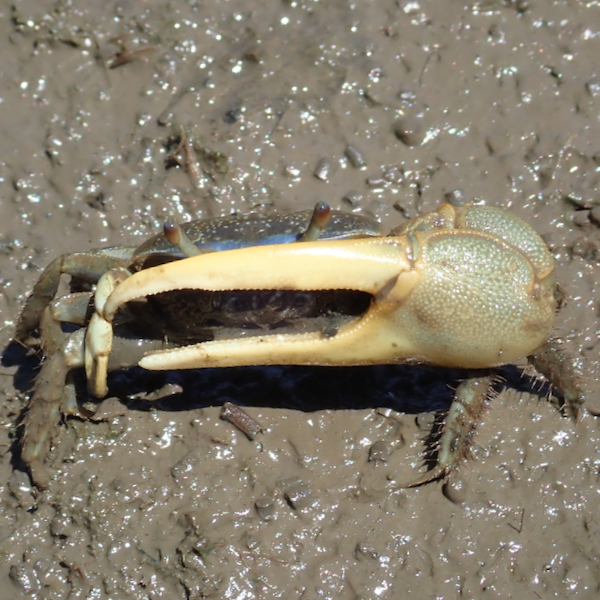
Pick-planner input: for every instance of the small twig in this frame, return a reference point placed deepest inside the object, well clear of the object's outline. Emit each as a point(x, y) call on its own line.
point(191, 162)
point(124, 56)
point(240, 419)
point(519, 529)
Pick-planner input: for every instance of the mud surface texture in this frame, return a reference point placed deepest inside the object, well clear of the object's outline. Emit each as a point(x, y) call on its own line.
point(385, 108)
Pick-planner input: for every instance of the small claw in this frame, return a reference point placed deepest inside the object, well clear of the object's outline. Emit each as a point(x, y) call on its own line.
point(98, 344)
point(99, 334)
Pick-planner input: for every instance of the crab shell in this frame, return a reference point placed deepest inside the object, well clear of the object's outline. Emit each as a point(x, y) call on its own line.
point(470, 287)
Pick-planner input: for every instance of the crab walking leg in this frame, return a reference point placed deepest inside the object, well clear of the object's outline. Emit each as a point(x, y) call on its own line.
point(52, 398)
point(470, 400)
point(88, 267)
point(473, 396)
point(552, 361)
point(52, 336)
point(72, 308)
point(46, 403)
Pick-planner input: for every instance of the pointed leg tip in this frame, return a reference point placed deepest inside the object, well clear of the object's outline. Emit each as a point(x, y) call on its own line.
point(435, 474)
point(39, 473)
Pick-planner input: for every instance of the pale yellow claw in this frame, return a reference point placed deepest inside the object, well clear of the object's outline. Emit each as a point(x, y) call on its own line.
point(449, 297)
point(99, 335)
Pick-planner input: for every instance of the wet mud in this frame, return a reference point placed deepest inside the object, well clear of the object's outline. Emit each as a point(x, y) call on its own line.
point(116, 116)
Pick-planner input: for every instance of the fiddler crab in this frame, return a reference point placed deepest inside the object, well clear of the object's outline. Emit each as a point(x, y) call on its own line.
point(470, 287)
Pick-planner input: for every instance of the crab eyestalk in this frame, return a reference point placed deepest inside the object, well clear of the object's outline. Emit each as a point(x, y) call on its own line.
point(176, 236)
point(318, 221)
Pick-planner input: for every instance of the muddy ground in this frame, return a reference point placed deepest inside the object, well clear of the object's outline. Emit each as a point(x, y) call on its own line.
point(494, 102)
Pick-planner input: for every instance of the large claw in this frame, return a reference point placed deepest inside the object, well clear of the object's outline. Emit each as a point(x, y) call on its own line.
point(471, 287)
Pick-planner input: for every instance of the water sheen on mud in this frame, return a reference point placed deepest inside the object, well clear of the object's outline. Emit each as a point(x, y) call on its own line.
point(119, 115)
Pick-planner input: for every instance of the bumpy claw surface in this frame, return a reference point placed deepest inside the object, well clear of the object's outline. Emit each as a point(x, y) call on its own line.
point(470, 287)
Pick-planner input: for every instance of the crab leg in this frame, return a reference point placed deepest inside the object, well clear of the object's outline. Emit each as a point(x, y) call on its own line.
point(72, 308)
point(85, 266)
point(471, 398)
point(552, 361)
point(52, 397)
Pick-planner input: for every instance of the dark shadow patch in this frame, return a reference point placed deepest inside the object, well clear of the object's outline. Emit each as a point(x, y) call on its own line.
point(403, 388)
